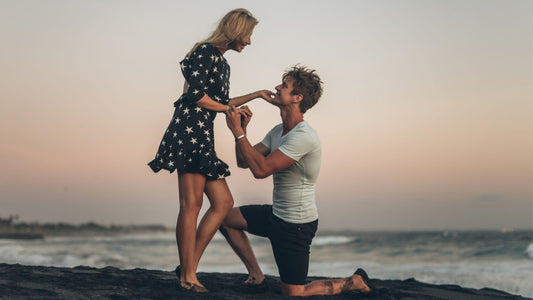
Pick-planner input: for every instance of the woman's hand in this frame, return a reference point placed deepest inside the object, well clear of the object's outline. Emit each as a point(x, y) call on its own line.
point(266, 94)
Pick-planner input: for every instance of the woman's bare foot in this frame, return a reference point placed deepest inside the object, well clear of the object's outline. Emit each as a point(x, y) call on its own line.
point(254, 280)
point(195, 287)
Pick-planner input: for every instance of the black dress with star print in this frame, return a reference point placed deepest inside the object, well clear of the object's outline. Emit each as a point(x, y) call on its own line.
point(188, 144)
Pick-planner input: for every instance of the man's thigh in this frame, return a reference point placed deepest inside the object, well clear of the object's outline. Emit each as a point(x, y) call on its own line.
point(291, 244)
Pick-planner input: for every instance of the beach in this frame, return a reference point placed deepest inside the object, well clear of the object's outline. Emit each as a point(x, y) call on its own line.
point(470, 259)
point(38, 282)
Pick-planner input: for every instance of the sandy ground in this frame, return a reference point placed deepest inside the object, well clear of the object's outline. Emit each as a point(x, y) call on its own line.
point(36, 282)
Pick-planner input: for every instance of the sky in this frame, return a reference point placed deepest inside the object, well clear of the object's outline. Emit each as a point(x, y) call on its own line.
point(425, 120)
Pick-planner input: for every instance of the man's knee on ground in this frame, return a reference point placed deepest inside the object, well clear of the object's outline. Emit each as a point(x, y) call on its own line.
point(292, 289)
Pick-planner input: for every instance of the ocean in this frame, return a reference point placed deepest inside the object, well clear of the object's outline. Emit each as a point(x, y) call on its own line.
point(501, 260)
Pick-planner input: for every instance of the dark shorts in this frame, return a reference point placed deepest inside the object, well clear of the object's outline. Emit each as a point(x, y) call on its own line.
point(290, 242)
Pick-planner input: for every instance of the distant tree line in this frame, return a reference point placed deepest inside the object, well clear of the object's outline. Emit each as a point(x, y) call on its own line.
point(10, 225)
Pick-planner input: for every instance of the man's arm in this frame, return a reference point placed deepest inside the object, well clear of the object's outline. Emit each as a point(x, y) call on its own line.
point(254, 158)
point(246, 116)
point(241, 162)
point(260, 165)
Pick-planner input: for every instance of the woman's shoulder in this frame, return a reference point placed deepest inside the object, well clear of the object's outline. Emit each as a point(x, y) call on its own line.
point(206, 48)
point(200, 51)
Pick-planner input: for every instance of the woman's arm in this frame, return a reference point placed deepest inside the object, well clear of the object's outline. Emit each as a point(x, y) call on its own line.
point(238, 101)
point(208, 103)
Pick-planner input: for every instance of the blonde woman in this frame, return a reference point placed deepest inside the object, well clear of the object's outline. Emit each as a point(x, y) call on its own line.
point(188, 143)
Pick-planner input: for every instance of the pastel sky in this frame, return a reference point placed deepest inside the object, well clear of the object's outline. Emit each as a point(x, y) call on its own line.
point(425, 121)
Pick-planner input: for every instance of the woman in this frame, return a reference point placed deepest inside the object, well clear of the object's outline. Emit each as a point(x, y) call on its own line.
point(188, 143)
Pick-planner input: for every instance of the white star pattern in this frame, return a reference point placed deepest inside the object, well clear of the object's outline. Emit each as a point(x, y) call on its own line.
point(189, 134)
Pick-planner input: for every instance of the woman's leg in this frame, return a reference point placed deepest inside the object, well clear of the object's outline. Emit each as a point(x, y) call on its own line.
point(219, 196)
point(191, 189)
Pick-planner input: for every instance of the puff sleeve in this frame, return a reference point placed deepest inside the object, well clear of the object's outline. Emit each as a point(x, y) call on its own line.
point(196, 68)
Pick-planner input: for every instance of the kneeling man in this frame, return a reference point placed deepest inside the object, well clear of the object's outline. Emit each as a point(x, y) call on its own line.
point(291, 152)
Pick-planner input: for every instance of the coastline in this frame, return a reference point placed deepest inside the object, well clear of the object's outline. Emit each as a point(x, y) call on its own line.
point(32, 282)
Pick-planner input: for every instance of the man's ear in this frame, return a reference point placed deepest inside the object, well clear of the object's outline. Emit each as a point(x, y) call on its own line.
point(298, 98)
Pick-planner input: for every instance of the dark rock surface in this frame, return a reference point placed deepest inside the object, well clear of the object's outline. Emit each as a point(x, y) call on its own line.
point(36, 282)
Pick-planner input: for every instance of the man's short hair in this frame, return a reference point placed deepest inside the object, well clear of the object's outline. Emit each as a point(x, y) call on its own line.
point(306, 83)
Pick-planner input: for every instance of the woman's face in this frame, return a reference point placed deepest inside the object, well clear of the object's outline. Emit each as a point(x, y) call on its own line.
point(238, 45)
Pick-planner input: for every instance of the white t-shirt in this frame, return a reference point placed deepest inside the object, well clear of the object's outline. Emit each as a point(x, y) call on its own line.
point(293, 198)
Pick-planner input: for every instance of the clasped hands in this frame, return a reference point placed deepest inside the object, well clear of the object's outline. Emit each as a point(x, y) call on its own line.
point(237, 119)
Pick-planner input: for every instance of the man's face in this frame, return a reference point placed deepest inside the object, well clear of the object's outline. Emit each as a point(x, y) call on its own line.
point(283, 94)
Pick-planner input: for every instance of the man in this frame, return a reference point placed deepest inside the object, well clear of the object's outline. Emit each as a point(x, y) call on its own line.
point(291, 152)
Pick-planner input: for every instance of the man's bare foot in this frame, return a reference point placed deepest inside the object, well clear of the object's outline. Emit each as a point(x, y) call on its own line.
point(365, 284)
point(358, 284)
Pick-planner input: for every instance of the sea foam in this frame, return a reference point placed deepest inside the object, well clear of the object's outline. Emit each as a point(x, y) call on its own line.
point(529, 251)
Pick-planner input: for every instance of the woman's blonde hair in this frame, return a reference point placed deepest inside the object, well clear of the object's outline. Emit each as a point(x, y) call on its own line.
point(236, 25)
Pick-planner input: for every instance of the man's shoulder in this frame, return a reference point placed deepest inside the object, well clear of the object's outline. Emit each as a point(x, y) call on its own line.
point(277, 128)
point(304, 136)
point(304, 128)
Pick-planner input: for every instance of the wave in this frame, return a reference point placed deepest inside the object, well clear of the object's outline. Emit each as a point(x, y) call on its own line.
point(529, 251)
point(332, 240)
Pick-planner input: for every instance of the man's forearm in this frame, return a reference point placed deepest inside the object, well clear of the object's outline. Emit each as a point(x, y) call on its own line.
point(251, 158)
point(241, 162)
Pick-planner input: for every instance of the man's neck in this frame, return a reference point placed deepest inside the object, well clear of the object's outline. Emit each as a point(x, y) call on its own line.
point(290, 116)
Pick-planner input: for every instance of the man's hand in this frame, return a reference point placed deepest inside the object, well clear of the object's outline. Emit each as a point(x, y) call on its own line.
point(233, 120)
point(246, 116)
